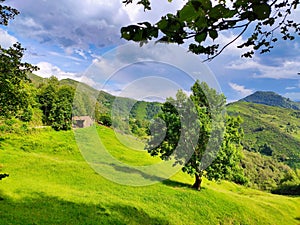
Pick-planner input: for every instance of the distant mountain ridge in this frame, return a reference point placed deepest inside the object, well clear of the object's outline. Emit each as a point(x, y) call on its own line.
point(271, 98)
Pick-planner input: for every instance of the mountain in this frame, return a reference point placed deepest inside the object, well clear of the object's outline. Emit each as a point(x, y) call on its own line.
point(272, 99)
point(269, 130)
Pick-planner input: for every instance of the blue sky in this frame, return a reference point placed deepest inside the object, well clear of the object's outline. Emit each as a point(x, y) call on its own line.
point(74, 39)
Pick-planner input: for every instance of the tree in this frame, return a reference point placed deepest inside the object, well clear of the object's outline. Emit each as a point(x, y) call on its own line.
point(56, 103)
point(193, 128)
point(226, 165)
point(12, 73)
point(47, 97)
point(200, 23)
point(61, 113)
point(15, 95)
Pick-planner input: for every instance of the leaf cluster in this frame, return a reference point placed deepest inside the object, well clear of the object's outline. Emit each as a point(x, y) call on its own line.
point(202, 21)
point(6, 13)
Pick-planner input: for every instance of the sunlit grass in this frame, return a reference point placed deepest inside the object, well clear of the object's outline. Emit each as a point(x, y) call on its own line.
point(51, 183)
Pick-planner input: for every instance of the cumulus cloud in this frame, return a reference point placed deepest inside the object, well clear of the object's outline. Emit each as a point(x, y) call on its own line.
point(48, 70)
point(71, 24)
point(279, 69)
point(159, 8)
point(77, 24)
point(153, 65)
point(241, 90)
point(6, 40)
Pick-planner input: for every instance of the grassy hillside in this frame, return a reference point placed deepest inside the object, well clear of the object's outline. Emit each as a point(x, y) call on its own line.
point(273, 131)
point(50, 183)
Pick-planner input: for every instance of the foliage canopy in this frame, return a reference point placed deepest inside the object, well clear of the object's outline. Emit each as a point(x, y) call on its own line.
point(198, 135)
point(15, 96)
point(200, 22)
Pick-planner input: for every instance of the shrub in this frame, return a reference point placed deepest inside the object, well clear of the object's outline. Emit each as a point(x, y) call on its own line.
point(287, 189)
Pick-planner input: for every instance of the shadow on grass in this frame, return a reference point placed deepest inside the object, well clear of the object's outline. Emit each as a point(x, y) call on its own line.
point(177, 184)
point(126, 169)
point(173, 183)
point(42, 209)
point(297, 218)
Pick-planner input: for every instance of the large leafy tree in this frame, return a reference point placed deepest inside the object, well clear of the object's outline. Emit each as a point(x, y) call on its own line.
point(56, 102)
point(15, 97)
point(61, 113)
point(200, 22)
point(198, 135)
point(47, 97)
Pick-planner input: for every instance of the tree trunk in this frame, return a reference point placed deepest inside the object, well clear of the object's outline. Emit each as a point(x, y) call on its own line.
point(198, 181)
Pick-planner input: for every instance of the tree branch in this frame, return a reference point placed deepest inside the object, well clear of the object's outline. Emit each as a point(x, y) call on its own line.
point(229, 43)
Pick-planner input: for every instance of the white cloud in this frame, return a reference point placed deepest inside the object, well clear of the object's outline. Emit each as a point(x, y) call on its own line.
point(48, 70)
point(159, 9)
point(295, 96)
point(284, 68)
point(71, 24)
point(150, 87)
point(127, 64)
point(227, 37)
point(6, 40)
point(242, 91)
point(290, 88)
point(77, 24)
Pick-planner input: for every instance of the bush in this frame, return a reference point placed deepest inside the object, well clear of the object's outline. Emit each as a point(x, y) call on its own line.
point(240, 179)
point(105, 120)
point(287, 189)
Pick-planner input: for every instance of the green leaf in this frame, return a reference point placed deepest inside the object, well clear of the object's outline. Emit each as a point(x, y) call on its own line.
point(217, 12)
point(162, 24)
point(251, 16)
point(241, 3)
point(125, 34)
point(262, 11)
point(201, 22)
point(187, 13)
point(213, 34)
point(201, 37)
point(206, 4)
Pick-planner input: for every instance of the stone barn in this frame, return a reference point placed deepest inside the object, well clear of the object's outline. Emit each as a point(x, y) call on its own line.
point(82, 121)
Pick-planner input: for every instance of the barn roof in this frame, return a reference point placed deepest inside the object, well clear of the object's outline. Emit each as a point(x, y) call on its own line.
point(81, 118)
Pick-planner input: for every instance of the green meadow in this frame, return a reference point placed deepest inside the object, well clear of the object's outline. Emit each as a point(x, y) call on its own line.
point(50, 182)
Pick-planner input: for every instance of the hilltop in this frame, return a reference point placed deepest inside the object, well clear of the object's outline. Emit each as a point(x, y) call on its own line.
point(272, 99)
